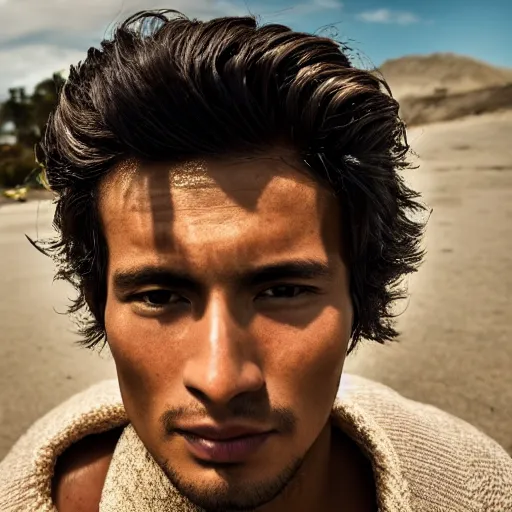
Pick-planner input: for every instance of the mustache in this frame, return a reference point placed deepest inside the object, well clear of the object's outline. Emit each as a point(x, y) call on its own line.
point(281, 418)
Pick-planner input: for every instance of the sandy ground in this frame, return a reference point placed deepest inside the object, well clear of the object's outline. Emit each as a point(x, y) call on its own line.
point(455, 350)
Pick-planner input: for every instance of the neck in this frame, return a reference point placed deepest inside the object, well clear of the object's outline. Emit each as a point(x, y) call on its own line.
point(334, 473)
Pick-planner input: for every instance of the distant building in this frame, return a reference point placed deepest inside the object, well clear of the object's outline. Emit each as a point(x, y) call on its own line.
point(7, 139)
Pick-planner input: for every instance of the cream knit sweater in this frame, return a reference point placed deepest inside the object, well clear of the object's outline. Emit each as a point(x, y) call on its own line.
point(423, 459)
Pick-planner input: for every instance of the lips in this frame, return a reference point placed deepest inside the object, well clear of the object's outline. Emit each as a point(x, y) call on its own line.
point(224, 445)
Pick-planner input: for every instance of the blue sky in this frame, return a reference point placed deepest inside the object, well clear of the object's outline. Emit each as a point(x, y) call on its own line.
point(390, 29)
point(39, 37)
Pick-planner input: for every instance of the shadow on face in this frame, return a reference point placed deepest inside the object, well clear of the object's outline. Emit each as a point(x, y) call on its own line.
point(228, 315)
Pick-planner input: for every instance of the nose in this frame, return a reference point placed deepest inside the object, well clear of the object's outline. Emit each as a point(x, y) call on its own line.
point(225, 364)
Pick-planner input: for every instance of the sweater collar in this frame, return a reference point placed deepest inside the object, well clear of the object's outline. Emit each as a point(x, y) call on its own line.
point(352, 417)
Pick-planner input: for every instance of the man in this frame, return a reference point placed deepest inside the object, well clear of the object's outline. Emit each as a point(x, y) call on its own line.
point(231, 213)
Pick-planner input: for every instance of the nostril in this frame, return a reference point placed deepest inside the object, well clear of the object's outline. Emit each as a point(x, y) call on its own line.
point(201, 396)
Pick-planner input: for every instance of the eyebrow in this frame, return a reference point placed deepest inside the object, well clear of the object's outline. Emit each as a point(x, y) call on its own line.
point(130, 279)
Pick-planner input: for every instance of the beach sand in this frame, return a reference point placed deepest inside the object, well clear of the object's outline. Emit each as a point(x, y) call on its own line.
point(455, 350)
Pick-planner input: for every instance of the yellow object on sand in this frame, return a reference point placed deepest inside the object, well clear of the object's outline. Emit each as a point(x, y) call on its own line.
point(17, 193)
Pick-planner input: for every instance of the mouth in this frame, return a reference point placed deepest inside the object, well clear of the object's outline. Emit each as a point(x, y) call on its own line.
point(233, 445)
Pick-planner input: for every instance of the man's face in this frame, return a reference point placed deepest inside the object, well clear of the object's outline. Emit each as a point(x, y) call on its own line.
point(228, 316)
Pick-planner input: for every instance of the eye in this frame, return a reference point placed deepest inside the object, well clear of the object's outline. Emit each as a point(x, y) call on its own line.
point(156, 298)
point(285, 291)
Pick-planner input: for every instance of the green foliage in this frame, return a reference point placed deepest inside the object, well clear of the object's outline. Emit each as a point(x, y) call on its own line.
point(29, 115)
point(16, 163)
point(44, 100)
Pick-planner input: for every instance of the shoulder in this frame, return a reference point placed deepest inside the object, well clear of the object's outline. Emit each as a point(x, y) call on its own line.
point(27, 469)
point(438, 453)
point(490, 474)
point(81, 470)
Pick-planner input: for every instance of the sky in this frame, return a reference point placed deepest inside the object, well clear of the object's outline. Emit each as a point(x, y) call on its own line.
point(39, 37)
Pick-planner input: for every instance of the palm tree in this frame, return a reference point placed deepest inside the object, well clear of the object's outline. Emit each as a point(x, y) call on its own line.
point(18, 109)
point(44, 100)
point(28, 115)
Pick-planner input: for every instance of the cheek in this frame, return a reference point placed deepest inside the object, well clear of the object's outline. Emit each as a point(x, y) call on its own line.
point(145, 363)
point(307, 367)
point(302, 366)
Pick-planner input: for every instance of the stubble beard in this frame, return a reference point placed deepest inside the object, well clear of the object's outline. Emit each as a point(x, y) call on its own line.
point(238, 497)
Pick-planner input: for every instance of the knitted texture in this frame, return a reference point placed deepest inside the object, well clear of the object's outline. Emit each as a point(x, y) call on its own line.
point(27, 470)
point(424, 460)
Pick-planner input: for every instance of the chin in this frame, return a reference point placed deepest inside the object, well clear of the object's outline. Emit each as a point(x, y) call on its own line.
point(230, 487)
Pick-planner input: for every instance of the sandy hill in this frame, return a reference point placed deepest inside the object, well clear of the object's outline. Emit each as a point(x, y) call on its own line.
point(421, 76)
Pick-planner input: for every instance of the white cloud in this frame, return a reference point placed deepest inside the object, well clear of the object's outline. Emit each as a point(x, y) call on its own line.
point(30, 17)
point(328, 4)
point(291, 13)
point(29, 64)
point(388, 16)
point(40, 37)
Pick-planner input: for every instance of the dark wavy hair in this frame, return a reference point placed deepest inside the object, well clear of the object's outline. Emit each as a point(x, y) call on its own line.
point(168, 88)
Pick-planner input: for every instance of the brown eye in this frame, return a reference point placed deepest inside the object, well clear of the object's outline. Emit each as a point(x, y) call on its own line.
point(157, 297)
point(285, 292)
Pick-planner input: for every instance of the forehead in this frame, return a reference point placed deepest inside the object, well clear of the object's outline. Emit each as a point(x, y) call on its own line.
point(258, 205)
point(135, 184)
